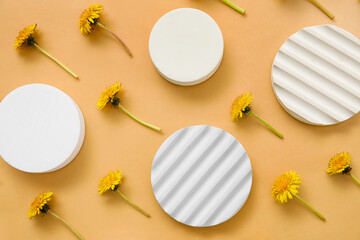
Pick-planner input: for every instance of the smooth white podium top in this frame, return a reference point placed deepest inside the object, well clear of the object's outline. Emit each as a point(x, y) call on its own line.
point(186, 46)
point(316, 75)
point(41, 128)
point(201, 176)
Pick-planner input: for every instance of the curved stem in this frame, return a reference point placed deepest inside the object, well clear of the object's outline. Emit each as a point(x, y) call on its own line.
point(355, 179)
point(323, 9)
point(309, 206)
point(133, 204)
point(55, 60)
point(67, 224)
point(119, 39)
point(138, 120)
point(233, 6)
point(268, 125)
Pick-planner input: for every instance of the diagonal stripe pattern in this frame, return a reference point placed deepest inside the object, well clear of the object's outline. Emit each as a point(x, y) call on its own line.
point(201, 176)
point(316, 75)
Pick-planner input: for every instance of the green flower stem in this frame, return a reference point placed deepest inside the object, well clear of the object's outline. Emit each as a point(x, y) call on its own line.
point(119, 39)
point(323, 9)
point(309, 206)
point(138, 120)
point(270, 127)
point(232, 5)
point(55, 60)
point(132, 204)
point(355, 179)
point(67, 224)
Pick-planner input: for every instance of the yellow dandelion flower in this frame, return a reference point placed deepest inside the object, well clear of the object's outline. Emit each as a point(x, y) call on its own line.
point(285, 186)
point(41, 204)
point(340, 163)
point(89, 18)
point(110, 95)
point(112, 182)
point(241, 107)
point(38, 204)
point(25, 37)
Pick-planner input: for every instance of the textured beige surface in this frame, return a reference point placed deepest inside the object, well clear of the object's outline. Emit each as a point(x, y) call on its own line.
point(114, 141)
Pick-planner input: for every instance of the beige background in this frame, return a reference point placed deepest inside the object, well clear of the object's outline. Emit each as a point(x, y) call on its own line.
point(114, 141)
